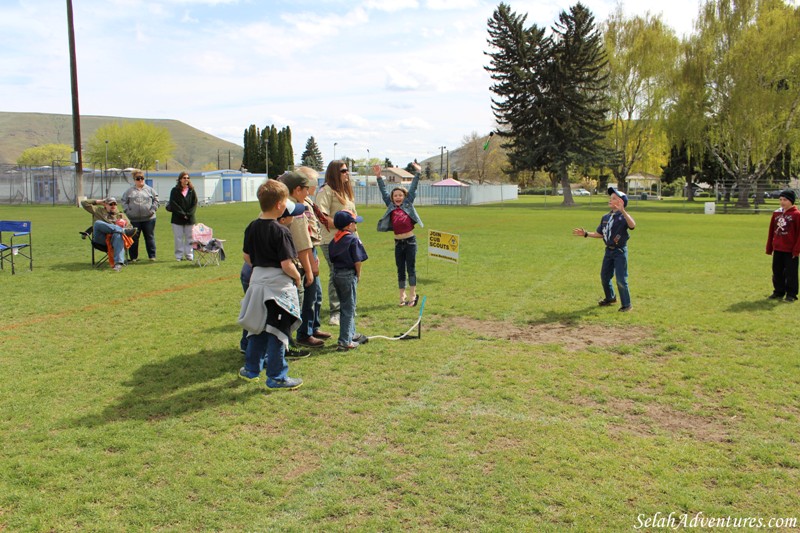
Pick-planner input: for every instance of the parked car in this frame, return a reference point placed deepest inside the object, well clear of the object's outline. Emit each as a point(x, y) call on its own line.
point(581, 192)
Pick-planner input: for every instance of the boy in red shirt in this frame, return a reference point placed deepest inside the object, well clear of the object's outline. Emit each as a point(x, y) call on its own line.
point(783, 244)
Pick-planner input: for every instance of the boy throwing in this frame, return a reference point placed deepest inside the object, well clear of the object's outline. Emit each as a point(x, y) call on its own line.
point(613, 229)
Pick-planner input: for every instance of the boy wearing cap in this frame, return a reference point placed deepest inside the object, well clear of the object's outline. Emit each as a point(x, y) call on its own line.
point(347, 253)
point(613, 229)
point(306, 236)
point(783, 244)
point(270, 308)
point(107, 220)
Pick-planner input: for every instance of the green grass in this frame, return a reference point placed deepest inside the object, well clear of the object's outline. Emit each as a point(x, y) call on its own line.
point(523, 407)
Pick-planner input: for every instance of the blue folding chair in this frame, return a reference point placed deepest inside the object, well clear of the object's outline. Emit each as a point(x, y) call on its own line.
point(11, 251)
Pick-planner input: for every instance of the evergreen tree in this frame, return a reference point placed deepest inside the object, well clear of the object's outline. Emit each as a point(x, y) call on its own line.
point(551, 92)
point(312, 156)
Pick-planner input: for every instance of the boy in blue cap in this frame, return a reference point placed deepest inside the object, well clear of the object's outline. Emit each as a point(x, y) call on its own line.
point(347, 253)
point(613, 229)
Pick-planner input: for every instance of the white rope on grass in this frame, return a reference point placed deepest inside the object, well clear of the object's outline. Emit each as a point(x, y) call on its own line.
point(404, 335)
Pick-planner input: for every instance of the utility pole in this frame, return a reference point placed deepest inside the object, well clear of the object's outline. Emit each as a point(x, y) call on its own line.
point(441, 161)
point(76, 114)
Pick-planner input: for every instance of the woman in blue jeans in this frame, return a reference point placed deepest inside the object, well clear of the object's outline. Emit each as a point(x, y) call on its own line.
point(400, 218)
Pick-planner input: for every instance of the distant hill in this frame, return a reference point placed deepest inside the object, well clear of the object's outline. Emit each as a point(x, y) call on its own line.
point(194, 149)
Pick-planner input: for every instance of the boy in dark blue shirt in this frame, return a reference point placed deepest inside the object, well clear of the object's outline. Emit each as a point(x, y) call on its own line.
point(613, 229)
point(346, 253)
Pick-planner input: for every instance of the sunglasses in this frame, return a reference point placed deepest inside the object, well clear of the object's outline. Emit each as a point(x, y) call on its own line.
point(344, 170)
point(139, 179)
point(113, 203)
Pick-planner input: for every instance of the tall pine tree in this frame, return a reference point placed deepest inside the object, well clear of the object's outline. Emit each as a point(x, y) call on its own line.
point(312, 156)
point(551, 92)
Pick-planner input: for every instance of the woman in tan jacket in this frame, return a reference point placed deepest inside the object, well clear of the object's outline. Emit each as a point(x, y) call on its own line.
point(335, 195)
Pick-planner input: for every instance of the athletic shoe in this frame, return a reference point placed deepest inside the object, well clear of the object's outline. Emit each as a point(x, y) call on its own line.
point(247, 376)
point(791, 299)
point(334, 321)
point(311, 342)
point(295, 353)
point(625, 309)
point(130, 232)
point(117, 267)
point(604, 302)
point(84, 235)
point(775, 296)
point(133, 261)
point(152, 259)
point(322, 334)
point(288, 383)
point(360, 338)
point(242, 350)
point(346, 347)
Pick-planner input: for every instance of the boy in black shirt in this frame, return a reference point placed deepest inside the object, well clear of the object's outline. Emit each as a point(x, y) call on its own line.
point(270, 309)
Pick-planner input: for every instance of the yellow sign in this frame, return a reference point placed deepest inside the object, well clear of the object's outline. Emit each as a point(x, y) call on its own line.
point(443, 245)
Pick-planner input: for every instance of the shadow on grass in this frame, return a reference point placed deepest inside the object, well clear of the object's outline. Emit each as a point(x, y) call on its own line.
point(757, 305)
point(572, 317)
point(178, 386)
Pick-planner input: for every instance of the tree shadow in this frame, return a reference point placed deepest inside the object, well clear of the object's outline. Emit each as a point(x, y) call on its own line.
point(757, 305)
point(175, 387)
point(572, 317)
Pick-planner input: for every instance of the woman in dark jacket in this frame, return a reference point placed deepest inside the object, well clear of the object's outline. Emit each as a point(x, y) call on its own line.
point(183, 203)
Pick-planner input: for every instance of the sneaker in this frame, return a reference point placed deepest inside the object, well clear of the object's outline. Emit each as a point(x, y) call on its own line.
point(322, 334)
point(604, 302)
point(360, 338)
point(775, 296)
point(311, 342)
point(247, 376)
point(133, 260)
point(296, 353)
point(130, 232)
point(117, 267)
point(242, 350)
point(625, 309)
point(288, 383)
point(346, 347)
point(84, 235)
point(791, 299)
point(152, 258)
point(334, 321)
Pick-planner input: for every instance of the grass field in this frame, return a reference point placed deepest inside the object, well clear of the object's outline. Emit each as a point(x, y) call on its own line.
point(523, 407)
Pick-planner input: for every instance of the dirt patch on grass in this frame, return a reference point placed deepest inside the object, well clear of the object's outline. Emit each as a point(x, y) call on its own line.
point(650, 419)
point(571, 336)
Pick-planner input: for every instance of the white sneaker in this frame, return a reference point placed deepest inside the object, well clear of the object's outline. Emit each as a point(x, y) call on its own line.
point(334, 321)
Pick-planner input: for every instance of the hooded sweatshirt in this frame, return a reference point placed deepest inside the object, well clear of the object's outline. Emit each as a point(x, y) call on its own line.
point(784, 232)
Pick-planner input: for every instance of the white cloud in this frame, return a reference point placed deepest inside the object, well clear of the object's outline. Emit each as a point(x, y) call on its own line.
point(391, 6)
point(414, 124)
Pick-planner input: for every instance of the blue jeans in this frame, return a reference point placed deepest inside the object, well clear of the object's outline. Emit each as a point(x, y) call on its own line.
point(244, 277)
point(615, 263)
point(311, 305)
point(345, 281)
point(333, 299)
point(265, 350)
point(148, 229)
point(101, 229)
point(405, 256)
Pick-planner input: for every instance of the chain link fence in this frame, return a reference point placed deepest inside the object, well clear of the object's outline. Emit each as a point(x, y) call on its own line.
point(54, 185)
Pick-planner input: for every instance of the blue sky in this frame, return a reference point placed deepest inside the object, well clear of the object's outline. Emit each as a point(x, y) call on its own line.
point(399, 78)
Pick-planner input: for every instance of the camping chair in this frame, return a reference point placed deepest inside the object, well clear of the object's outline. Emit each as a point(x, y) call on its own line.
point(10, 252)
point(99, 251)
point(207, 249)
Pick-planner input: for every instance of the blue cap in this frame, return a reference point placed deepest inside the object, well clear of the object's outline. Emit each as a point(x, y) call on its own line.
point(612, 190)
point(344, 218)
point(293, 209)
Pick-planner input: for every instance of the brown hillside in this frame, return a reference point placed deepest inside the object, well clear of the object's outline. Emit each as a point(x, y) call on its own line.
point(194, 149)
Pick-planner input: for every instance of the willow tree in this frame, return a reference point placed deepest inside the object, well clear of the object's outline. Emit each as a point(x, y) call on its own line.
point(739, 90)
point(642, 54)
point(130, 144)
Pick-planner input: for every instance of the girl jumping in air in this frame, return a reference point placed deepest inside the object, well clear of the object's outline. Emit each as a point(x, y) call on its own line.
point(400, 218)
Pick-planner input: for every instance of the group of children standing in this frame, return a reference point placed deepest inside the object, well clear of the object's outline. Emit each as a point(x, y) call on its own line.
point(283, 294)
